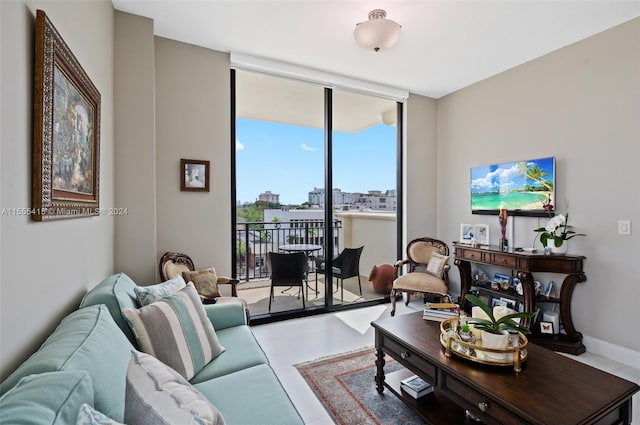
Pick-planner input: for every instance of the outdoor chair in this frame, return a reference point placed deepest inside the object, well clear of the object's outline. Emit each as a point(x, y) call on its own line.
point(345, 265)
point(174, 263)
point(428, 271)
point(287, 270)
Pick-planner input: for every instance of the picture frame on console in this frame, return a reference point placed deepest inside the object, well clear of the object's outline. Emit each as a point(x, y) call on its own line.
point(546, 328)
point(66, 131)
point(477, 234)
point(194, 175)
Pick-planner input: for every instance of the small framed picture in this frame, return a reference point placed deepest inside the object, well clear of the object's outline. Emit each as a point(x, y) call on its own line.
point(509, 302)
point(546, 328)
point(194, 175)
point(495, 302)
point(503, 280)
point(474, 234)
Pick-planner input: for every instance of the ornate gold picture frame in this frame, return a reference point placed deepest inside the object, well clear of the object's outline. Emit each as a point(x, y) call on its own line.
point(66, 134)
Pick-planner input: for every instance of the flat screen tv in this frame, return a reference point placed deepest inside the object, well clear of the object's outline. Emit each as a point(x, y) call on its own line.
point(525, 188)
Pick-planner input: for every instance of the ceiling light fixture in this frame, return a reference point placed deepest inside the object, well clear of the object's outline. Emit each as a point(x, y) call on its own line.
point(378, 33)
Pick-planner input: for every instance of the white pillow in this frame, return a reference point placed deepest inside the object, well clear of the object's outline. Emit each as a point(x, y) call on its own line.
point(152, 293)
point(156, 394)
point(87, 415)
point(436, 264)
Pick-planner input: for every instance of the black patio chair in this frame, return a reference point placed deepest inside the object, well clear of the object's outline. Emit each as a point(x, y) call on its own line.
point(287, 270)
point(345, 265)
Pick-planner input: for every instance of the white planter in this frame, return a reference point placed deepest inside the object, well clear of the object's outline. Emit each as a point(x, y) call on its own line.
point(562, 249)
point(500, 341)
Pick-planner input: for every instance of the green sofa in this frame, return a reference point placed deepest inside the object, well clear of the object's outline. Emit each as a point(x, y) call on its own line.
point(85, 361)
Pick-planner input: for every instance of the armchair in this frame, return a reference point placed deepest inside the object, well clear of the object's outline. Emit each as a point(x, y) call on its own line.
point(174, 263)
point(345, 265)
point(428, 271)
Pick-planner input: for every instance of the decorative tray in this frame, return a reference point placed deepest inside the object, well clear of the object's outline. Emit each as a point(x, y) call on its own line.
point(513, 355)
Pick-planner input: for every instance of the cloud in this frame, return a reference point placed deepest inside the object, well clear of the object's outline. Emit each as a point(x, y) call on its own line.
point(307, 148)
point(500, 178)
point(239, 145)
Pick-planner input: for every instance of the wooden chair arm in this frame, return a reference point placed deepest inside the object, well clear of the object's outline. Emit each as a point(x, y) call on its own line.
point(222, 280)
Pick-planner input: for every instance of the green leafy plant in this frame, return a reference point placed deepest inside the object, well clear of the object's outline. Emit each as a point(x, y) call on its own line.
point(465, 328)
point(491, 325)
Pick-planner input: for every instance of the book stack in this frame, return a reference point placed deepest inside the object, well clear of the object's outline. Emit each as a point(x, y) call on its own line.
point(440, 311)
point(415, 386)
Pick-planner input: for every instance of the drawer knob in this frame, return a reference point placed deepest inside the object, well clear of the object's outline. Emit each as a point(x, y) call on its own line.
point(472, 256)
point(405, 355)
point(483, 406)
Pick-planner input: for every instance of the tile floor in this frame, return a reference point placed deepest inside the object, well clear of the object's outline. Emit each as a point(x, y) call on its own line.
point(295, 341)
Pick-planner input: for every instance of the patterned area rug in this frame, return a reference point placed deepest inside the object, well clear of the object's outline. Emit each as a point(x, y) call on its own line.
point(345, 386)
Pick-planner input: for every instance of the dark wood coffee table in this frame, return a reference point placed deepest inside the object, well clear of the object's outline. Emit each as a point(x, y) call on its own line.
point(551, 389)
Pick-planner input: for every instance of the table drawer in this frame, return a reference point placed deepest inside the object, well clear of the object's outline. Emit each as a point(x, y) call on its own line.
point(411, 360)
point(505, 260)
point(477, 403)
point(471, 255)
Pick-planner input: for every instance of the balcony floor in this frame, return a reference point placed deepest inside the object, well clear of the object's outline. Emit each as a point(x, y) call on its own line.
point(256, 293)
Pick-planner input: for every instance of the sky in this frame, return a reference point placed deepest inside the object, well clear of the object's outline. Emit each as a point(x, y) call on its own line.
point(289, 160)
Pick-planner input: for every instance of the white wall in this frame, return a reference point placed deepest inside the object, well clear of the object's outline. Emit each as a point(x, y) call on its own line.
point(580, 104)
point(135, 147)
point(193, 122)
point(47, 266)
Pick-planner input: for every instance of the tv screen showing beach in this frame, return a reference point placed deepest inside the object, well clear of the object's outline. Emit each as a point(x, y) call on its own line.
point(522, 187)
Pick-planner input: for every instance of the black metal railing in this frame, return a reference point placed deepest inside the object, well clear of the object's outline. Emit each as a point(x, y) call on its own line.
point(255, 239)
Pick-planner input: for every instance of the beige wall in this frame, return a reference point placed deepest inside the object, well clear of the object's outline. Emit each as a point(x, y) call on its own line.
point(135, 147)
point(47, 267)
point(580, 104)
point(421, 165)
point(193, 122)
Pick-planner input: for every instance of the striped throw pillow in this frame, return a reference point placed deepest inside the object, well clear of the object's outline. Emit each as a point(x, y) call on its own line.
point(158, 395)
point(177, 331)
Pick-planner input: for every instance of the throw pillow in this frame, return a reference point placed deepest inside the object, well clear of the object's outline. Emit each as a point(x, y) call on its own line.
point(89, 416)
point(206, 282)
point(150, 294)
point(157, 394)
point(436, 264)
point(177, 331)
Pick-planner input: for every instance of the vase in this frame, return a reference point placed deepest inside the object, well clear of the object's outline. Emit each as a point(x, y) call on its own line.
point(499, 341)
point(562, 249)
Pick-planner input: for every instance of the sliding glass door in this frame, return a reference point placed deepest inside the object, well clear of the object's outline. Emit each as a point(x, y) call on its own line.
point(286, 152)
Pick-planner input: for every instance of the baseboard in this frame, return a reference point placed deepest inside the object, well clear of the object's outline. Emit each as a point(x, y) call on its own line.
point(611, 351)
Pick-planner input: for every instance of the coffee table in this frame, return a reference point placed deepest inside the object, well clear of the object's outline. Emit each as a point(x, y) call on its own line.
point(551, 389)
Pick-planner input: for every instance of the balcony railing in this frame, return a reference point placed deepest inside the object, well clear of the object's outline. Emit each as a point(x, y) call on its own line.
point(255, 239)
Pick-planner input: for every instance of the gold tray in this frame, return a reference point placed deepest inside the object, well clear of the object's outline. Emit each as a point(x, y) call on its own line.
point(513, 355)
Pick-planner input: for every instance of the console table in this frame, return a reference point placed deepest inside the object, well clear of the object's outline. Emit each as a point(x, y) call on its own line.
point(526, 263)
point(551, 389)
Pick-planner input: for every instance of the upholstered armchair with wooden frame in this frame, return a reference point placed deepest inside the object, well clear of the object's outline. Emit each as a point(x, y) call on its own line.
point(174, 263)
point(427, 270)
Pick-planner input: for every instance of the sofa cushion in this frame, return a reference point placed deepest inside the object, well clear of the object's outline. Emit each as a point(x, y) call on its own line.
point(177, 331)
point(205, 280)
point(90, 416)
point(46, 398)
point(87, 339)
point(436, 264)
point(242, 351)
point(239, 406)
point(152, 293)
point(157, 394)
point(116, 292)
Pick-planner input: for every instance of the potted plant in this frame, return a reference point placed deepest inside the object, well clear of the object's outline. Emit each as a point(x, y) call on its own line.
point(556, 232)
point(495, 332)
point(465, 333)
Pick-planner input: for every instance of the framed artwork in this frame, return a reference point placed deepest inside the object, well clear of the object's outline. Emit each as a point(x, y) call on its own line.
point(546, 328)
point(474, 233)
point(66, 133)
point(194, 175)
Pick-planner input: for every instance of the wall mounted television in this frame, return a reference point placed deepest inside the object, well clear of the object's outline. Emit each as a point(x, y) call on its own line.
point(525, 188)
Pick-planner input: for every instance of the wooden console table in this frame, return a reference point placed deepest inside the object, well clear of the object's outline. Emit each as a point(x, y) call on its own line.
point(525, 264)
point(551, 389)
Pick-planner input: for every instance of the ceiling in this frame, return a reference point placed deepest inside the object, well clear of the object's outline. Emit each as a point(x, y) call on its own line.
point(444, 45)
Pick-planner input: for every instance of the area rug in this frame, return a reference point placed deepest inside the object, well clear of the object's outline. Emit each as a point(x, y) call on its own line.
point(346, 387)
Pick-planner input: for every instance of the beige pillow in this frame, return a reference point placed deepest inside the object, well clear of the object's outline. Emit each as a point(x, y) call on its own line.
point(205, 281)
point(436, 264)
